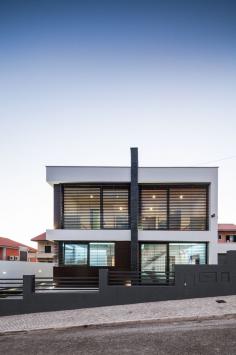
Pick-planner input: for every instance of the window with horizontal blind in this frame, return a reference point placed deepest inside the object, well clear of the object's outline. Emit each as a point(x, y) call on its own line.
point(81, 207)
point(95, 207)
point(115, 208)
point(188, 208)
point(153, 208)
point(174, 207)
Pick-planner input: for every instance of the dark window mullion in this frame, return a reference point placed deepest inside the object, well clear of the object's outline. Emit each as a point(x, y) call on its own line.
point(168, 209)
point(88, 254)
point(140, 209)
point(101, 208)
point(168, 263)
point(167, 258)
point(129, 209)
point(207, 209)
point(62, 206)
point(63, 253)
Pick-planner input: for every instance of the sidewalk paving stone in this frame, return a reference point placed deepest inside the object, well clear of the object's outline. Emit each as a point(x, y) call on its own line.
point(163, 311)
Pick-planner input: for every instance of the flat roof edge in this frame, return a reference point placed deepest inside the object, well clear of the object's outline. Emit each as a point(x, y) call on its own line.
point(125, 167)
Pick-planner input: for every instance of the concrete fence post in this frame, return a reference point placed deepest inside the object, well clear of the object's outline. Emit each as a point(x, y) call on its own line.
point(28, 286)
point(103, 279)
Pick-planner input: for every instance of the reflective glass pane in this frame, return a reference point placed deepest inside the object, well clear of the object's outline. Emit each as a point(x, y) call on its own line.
point(75, 254)
point(102, 254)
point(153, 257)
point(187, 253)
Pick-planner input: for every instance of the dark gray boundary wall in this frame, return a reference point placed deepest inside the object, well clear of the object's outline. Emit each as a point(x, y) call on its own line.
point(191, 281)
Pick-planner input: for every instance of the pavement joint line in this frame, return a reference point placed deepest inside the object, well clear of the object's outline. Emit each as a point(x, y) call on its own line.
point(160, 321)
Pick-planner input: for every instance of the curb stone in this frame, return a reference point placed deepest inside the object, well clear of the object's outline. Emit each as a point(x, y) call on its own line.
point(161, 321)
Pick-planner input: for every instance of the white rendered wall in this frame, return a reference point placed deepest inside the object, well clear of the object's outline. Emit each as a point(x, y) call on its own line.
point(222, 248)
point(177, 175)
point(16, 269)
point(86, 174)
point(94, 235)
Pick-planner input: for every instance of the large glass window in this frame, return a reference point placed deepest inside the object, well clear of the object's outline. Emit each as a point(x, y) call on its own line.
point(88, 207)
point(75, 254)
point(174, 208)
point(89, 254)
point(187, 253)
point(161, 257)
point(102, 254)
point(81, 207)
point(153, 208)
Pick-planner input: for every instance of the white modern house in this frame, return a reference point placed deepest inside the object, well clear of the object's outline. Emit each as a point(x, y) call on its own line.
point(133, 218)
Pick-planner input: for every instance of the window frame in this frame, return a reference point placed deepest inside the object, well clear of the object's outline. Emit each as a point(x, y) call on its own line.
point(167, 243)
point(111, 187)
point(87, 265)
point(47, 246)
point(101, 266)
point(168, 187)
point(101, 187)
point(76, 243)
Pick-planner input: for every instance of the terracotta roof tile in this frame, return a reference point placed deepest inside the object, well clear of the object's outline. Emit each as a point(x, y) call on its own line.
point(39, 237)
point(226, 227)
point(6, 242)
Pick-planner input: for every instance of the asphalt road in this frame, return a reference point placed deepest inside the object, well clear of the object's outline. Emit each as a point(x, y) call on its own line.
point(189, 338)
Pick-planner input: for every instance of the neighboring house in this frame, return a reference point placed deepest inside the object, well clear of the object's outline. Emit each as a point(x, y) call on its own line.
point(227, 233)
point(226, 239)
point(12, 250)
point(133, 218)
point(45, 250)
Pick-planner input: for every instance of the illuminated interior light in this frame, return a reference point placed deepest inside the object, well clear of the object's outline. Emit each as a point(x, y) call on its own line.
point(181, 197)
point(91, 196)
point(153, 196)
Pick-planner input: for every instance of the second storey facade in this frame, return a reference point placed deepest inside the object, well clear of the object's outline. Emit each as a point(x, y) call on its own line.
point(133, 218)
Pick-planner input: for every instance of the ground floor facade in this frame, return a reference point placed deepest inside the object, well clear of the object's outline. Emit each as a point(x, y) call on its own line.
point(85, 258)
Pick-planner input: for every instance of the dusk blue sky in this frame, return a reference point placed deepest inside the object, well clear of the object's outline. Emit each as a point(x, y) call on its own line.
point(82, 81)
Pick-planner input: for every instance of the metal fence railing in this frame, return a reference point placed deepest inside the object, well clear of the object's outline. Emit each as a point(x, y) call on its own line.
point(11, 288)
point(81, 283)
point(147, 278)
point(17, 288)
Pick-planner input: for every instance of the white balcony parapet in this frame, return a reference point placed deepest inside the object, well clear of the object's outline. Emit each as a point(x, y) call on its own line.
point(93, 235)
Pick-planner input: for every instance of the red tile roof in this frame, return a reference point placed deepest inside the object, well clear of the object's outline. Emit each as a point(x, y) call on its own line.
point(9, 243)
point(226, 227)
point(39, 237)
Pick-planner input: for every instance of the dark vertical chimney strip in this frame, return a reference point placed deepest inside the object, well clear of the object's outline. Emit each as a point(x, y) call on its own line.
point(134, 209)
